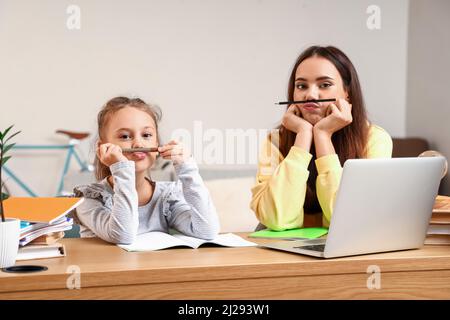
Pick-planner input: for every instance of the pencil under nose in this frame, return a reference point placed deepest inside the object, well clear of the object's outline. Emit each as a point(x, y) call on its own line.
point(154, 149)
point(306, 101)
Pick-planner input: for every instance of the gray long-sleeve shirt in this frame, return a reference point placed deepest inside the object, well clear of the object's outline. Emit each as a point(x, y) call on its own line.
point(114, 214)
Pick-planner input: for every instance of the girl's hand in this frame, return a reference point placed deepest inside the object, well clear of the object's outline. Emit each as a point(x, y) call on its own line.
point(174, 151)
point(339, 115)
point(109, 153)
point(293, 121)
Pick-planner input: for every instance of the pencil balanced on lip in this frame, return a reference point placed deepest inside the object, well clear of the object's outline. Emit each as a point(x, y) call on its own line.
point(129, 150)
point(304, 101)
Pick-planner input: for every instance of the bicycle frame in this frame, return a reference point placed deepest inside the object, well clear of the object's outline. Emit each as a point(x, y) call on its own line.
point(71, 153)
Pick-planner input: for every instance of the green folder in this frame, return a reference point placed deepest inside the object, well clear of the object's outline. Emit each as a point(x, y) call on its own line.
point(302, 233)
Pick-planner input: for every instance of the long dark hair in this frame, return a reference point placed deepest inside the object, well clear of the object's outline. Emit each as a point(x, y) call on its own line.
point(349, 142)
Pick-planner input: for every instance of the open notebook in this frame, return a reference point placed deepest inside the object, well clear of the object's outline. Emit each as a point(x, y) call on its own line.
point(159, 240)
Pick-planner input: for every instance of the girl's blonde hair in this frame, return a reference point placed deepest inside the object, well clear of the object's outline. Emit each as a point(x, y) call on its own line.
point(110, 108)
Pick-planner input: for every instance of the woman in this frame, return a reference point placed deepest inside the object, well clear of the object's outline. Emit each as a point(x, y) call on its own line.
point(327, 132)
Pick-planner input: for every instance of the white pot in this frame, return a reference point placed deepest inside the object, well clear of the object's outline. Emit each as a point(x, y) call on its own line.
point(9, 242)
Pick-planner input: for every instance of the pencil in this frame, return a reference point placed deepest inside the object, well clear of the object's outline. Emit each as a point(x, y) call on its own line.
point(305, 101)
point(155, 149)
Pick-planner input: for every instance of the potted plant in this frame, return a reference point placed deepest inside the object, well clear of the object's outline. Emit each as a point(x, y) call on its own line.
point(9, 228)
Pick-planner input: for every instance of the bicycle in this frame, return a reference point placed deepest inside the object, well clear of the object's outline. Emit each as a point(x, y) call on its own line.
point(72, 152)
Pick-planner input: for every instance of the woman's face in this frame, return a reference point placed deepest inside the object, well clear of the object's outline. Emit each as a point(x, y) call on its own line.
point(132, 128)
point(317, 78)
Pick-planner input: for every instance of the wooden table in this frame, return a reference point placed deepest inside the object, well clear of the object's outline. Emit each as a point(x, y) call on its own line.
point(109, 272)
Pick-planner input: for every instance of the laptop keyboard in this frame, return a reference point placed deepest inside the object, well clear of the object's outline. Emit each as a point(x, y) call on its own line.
point(317, 247)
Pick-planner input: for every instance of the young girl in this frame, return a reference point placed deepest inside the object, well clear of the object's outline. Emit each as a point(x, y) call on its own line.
point(126, 202)
point(315, 139)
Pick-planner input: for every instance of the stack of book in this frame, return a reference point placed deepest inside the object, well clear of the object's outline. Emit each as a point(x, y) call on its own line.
point(43, 233)
point(40, 240)
point(439, 228)
point(42, 225)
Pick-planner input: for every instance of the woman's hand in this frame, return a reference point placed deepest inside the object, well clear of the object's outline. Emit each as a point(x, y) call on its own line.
point(293, 121)
point(109, 153)
point(339, 115)
point(174, 151)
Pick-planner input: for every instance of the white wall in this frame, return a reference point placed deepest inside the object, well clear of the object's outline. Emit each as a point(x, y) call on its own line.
point(222, 62)
point(428, 112)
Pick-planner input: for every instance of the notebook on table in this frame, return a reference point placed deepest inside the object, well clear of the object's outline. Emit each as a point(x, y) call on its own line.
point(151, 241)
point(291, 234)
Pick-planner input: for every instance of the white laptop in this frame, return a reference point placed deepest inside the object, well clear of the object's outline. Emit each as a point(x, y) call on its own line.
point(381, 205)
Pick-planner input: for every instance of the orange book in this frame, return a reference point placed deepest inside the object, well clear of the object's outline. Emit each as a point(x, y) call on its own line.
point(438, 239)
point(442, 204)
point(42, 210)
point(440, 218)
point(49, 238)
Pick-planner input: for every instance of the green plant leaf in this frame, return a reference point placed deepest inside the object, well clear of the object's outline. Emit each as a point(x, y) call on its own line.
point(12, 136)
point(3, 135)
point(9, 146)
point(5, 159)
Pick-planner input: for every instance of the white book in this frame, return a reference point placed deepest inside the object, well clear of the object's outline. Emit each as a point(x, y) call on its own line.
point(438, 229)
point(151, 241)
point(41, 251)
point(30, 236)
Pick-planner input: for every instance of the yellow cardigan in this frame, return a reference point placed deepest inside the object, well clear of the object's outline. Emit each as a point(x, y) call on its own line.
point(279, 194)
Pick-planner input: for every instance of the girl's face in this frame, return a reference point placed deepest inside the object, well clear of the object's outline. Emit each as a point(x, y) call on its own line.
point(132, 128)
point(317, 78)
